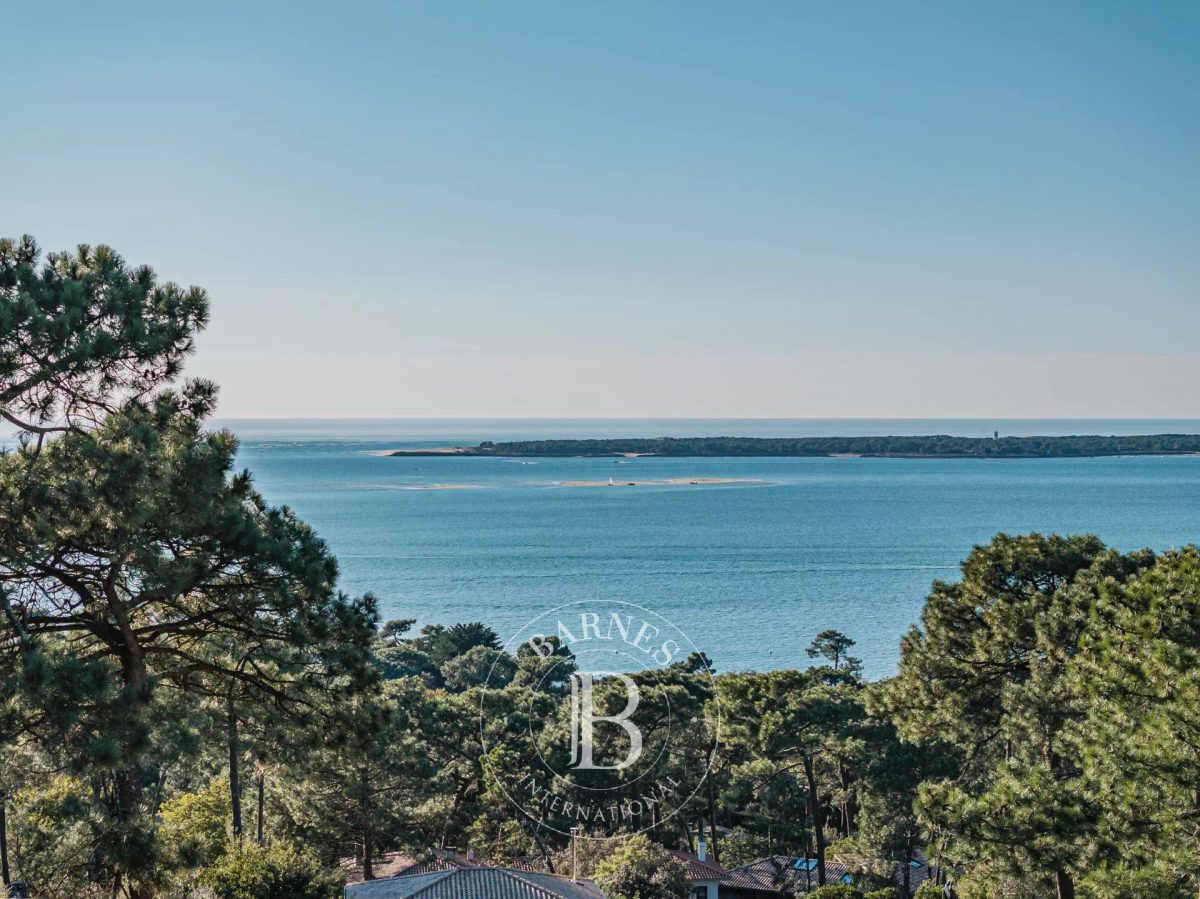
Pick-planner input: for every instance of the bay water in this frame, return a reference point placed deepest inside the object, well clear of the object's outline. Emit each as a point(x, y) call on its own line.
point(751, 568)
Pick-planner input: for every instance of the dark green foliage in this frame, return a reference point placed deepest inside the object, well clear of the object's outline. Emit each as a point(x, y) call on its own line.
point(357, 790)
point(148, 596)
point(1138, 742)
point(990, 671)
point(392, 632)
point(85, 331)
point(834, 647)
point(404, 661)
point(477, 666)
point(548, 674)
point(793, 727)
point(204, 567)
point(444, 643)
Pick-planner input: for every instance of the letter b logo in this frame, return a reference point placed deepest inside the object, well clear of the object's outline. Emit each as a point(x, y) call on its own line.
point(584, 718)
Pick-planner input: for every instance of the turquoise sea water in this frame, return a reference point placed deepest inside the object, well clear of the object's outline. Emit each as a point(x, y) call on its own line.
point(749, 570)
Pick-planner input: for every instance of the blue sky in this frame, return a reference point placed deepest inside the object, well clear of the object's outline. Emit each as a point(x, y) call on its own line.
point(637, 209)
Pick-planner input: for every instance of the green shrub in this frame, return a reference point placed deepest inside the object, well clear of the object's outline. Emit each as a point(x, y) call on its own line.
point(885, 893)
point(928, 890)
point(639, 869)
point(274, 872)
point(194, 825)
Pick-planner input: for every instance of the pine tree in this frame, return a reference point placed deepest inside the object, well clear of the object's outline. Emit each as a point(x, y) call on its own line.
point(140, 576)
point(988, 671)
point(83, 332)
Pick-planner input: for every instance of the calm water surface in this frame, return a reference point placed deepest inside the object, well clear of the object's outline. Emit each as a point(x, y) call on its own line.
point(750, 570)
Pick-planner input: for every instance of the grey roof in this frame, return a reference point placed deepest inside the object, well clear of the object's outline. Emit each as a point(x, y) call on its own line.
point(475, 883)
point(444, 860)
point(394, 887)
point(786, 873)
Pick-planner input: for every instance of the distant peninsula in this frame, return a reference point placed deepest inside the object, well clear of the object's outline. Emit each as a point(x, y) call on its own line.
point(937, 446)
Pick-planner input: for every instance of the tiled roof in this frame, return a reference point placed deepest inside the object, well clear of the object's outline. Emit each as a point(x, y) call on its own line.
point(444, 860)
point(710, 870)
point(790, 874)
point(475, 883)
point(393, 887)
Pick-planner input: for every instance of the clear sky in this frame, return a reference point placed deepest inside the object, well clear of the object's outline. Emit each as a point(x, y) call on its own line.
point(637, 209)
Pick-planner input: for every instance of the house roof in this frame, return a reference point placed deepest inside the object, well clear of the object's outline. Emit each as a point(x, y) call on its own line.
point(791, 874)
point(446, 860)
point(710, 870)
point(475, 883)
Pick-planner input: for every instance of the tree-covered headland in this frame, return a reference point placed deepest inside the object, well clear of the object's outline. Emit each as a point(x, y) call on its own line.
point(190, 707)
point(932, 446)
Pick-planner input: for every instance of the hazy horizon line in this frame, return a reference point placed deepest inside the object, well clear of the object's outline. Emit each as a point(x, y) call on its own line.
point(703, 418)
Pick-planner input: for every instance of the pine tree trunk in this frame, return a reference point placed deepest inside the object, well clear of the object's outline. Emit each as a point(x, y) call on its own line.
point(814, 812)
point(261, 809)
point(365, 809)
point(712, 821)
point(1065, 885)
point(4, 878)
point(908, 854)
point(687, 835)
point(235, 752)
point(847, 801)
point(128, 780)
point(807, 858)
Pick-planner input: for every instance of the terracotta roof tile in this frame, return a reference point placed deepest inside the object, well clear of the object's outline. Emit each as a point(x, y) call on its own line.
point(710, 870)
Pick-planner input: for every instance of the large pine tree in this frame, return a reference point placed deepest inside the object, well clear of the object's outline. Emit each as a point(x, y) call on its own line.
point(139, 573)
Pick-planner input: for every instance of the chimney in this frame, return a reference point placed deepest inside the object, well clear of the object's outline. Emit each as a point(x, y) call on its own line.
point(702, 849)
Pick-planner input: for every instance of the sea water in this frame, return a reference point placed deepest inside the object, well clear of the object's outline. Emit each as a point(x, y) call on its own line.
point(751, 569)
